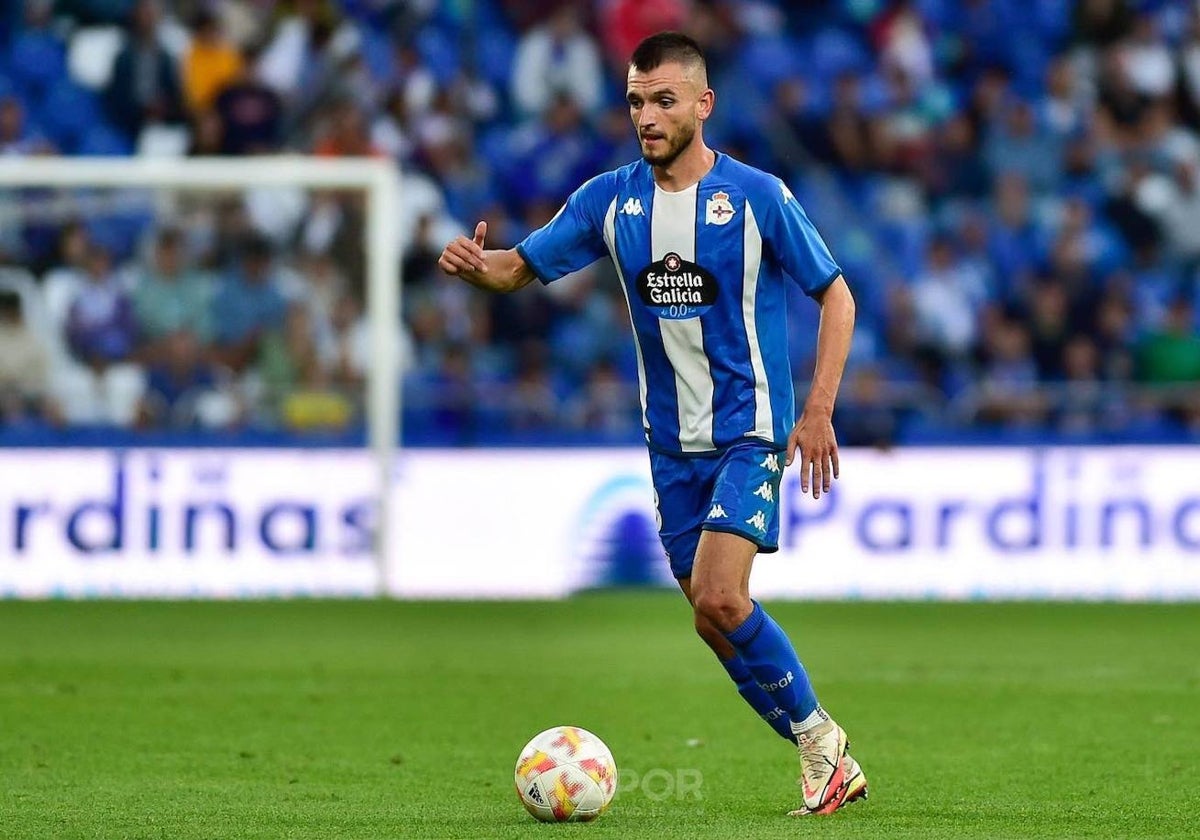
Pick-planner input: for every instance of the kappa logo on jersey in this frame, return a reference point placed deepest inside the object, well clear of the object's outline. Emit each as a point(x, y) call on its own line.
point(719, 209)
point(676, 287)
point(717, 512)
point(632, 207)
point(771, 462)
point(787, 194)
point(758, 520)
point(765, 492)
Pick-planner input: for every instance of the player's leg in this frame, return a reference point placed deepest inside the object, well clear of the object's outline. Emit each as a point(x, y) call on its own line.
point(746, 493)
point(721, 598)
point(682, 490)
point(747, 686)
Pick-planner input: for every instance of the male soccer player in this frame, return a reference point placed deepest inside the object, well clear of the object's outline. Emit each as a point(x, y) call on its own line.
point(703, 246)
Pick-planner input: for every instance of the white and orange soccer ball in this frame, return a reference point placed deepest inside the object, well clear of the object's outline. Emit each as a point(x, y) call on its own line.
point(566, 773)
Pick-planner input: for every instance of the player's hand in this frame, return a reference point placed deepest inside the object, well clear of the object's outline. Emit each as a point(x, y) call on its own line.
point(814, 441)
point(465, 255)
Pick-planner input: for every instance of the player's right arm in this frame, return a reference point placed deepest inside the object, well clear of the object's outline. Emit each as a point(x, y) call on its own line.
point(570, 241)
point(490, 270)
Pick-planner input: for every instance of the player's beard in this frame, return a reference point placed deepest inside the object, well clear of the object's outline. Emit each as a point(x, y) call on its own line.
point(676, 147)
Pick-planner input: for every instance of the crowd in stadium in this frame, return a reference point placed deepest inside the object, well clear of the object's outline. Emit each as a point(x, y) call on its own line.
point(1012, 188)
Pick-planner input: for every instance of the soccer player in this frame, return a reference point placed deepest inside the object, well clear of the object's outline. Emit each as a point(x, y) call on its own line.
point(704, 246)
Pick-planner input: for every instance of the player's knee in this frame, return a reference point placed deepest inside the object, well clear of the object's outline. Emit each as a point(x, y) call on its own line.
point(713, 637)
point(724, 610)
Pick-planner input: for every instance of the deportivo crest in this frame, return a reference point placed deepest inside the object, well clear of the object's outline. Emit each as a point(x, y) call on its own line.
point(719, 209)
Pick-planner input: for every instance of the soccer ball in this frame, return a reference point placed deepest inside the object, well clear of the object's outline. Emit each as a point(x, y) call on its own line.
point(566, 773)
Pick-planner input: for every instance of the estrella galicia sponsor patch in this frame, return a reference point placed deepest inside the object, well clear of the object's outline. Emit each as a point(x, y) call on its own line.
point(677, 288)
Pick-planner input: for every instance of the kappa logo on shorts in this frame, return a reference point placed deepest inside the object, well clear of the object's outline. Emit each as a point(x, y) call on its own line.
point(765, 492)
point(758, 520)
point(771, 462)
point(717, 512)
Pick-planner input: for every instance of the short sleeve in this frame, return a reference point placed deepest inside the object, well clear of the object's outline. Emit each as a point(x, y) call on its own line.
point(574, 238)
point(794, 241)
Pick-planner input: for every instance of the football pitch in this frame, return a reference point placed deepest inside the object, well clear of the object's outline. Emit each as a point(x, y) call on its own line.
point(372, 719)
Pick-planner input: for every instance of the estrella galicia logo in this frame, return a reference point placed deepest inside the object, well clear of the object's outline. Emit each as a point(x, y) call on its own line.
point(677, 288)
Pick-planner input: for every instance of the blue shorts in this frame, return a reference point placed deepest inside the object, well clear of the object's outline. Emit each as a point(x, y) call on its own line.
point(736, 491)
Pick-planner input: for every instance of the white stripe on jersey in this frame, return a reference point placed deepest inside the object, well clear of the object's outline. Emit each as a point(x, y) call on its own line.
point(764, 421)
point(610, 239)
point(673, 229)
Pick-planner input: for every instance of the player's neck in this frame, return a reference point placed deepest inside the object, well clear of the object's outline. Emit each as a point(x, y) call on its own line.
point(692, 164)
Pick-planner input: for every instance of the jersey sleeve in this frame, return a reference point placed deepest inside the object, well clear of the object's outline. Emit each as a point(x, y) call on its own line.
point(574, 238)
point(795, 243)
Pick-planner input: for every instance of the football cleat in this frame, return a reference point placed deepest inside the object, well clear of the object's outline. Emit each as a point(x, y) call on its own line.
point(854, 787)
point(822, 774)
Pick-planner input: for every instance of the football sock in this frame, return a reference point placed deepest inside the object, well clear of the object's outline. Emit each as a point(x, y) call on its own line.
point(770, 657)
point(757, 697)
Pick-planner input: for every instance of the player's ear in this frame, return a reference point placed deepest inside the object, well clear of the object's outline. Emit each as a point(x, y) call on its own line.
point(704, 105)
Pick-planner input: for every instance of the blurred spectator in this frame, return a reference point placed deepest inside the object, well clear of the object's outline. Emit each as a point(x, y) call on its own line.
point(1101, 22)
point(607, 405)
point(556, 59)
point(1018, 145)
point(24, 365)
point(1088, 405)
point(15, 138)
point(250, 115)
point(1049, 319)
point(247, 304)
point(308, 37)
point(100, 325)
point(1171, 353)
point(211, 63)
point(549, 158)
point(947, 300)
point(298, 384)
point(345, 133)
point(956, 169)
point(863, 415)
point(169, 297)
point(624, 23)
point(178, 378)
point(532, 402)
point(1178, 210)
point(1008, 381)
point(903, 45)
point(144, 87)
point(1146, 59)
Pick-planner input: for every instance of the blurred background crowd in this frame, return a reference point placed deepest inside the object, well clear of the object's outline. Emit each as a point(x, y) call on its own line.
point(1012, 188)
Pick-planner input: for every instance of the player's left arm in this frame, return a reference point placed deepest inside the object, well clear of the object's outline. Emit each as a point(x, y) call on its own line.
point(813, 436)
point(796, 243)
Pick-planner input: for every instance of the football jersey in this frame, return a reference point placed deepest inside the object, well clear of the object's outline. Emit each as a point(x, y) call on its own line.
point(704, 272)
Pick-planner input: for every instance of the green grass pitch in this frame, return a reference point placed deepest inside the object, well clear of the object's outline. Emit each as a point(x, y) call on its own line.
point(380, 720)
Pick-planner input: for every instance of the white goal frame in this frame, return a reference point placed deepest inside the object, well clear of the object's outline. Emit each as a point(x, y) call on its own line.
point(378, 178)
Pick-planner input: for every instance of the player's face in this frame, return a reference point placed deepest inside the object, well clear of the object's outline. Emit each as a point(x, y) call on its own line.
point(667, 105)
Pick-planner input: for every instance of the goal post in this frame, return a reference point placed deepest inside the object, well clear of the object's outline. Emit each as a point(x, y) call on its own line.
point(377, 178)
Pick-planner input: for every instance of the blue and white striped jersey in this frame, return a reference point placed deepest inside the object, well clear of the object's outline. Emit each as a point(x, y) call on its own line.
point(704, 272)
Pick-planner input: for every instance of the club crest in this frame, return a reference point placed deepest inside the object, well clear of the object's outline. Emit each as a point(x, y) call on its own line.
point(719, 209)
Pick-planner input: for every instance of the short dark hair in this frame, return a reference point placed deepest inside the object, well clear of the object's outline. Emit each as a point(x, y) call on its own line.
point(664, 47)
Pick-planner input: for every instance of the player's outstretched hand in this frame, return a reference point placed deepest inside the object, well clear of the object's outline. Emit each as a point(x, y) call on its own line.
point(465, 255)
point(813, 439)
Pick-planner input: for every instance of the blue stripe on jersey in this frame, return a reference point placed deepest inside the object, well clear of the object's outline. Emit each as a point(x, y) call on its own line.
point(720, 249)
point(632, 234)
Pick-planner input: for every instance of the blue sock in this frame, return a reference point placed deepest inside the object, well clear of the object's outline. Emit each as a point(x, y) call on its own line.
point(758, 699)
point(768, 653)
